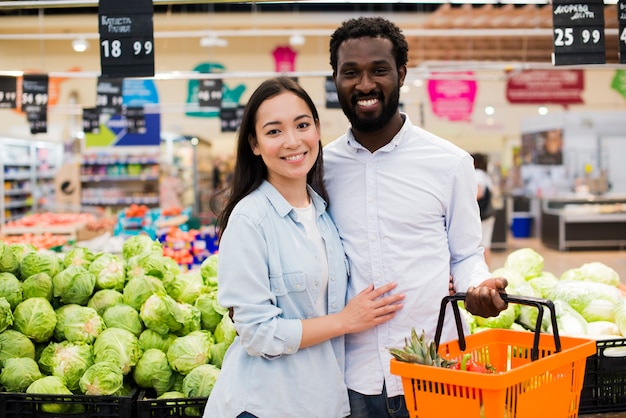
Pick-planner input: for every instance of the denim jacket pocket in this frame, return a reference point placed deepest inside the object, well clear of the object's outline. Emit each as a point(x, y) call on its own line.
point(287, 283)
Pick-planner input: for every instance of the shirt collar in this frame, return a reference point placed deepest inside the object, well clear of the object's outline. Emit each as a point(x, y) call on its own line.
point(282, 207)
point(395, 141)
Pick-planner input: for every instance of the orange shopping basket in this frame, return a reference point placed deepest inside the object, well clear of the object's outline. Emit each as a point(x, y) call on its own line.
point(539, 375)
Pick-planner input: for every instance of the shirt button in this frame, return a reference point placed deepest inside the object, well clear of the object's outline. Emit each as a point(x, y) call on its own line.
point(332, 278)
point(334, 305)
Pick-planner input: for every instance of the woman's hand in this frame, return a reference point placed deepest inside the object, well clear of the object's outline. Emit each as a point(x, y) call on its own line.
point(370, 308)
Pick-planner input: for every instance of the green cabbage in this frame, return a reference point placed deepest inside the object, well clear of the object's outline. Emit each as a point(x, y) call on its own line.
point(150, 264)
point(504, 320)
point(78, 256)
point(139, 289)
point(210, 309)
point(208, 270)
point(105, 298)
point(190, 351)
point(199, 382)
point(35, 262)
point(569, 321)
point(38, 285)
point(15, 344)
point(161, 313)
point(225, 330)
point(52, 385)
point(101, 379)
point(595, 272)
point(8, 260)
point(154, 371)
point(109, 270)
point(69, 361)
point(152, 339)
point(118, 346)
point(528, 262)
point(6, 314)
point(18, 373)
point(11, 289)
point(75, 284)
point(123, 316)
point(594, 301)
point(139, 244)
point(78, 323)
point(35, 318)
point(185, 287)
point(544, 284)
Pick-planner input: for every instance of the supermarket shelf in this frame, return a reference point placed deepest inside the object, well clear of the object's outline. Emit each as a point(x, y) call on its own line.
point(98, 178)
point(120, 201)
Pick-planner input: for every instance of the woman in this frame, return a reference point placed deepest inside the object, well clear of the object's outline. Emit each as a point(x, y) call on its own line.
point(282, 271)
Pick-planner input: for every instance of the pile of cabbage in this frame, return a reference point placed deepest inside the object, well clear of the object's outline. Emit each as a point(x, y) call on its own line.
point(588, 300)
point(99, 323)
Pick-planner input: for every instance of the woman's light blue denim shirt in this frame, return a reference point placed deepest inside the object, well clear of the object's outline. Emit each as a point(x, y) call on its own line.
point(269, 273)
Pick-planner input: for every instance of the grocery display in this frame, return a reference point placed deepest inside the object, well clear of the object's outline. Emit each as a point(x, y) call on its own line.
point(90, 330)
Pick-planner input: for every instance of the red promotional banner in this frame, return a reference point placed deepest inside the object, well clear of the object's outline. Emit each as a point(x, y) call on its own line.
point(546, 86)
point(452, 95)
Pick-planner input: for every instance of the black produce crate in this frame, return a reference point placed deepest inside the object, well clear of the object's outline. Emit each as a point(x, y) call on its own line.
point(149, 406)
point(604, 387)
point(23, 405)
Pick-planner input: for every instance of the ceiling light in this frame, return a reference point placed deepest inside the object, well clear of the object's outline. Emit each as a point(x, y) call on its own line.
point(490, 110)
point(210, 41)
point(296, 40)
point(80, 45)
point(542, 110)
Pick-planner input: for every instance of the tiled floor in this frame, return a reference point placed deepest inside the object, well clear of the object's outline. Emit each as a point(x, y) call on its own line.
point(557, 262)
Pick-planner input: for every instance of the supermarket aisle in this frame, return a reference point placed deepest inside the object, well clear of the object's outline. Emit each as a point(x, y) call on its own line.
point(558, 261)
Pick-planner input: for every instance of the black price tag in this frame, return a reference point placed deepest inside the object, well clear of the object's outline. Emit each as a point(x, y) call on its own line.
point(37, 120)
point(135, 120)
point(621, 19)
point(210, 93)
point(231, 118)
point(578, 29)
point(332, 99)
point(35, 101)
point(91, 120)
point(8, 92)
point(126, 38)
point(109, 96)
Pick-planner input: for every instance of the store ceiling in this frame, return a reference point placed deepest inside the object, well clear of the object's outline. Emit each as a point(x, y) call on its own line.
point(443, 32)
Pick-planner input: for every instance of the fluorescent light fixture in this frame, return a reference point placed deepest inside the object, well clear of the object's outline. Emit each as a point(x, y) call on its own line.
point(542, 110)
point(490, 110)
point(211, 41)
point(80, 45)
point(296, 40)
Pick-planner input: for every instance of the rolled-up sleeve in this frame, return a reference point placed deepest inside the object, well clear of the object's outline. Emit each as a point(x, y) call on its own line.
point(244, 285)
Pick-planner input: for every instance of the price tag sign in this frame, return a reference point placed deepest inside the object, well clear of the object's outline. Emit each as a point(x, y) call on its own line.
point(332, 99)
point(621, 19)
point(210, 93)
point(231, 118)
point(8, 92)
point(578, 32)
point(126, 38)
point(35, 101)
point(91, 120)
point(109, 96)
point(135, 120)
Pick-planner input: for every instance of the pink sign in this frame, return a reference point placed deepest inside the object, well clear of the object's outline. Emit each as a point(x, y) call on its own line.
point(452, 95)
point(546, 86)
point(284, 59)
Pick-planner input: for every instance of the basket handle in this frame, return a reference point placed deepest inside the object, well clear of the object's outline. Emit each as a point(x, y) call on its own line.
point(539, 303)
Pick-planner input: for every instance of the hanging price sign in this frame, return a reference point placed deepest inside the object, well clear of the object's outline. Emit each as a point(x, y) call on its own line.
point(126, 38)
point(135, 120)
point(91, 120)
point(230, 118)
point(210, 93)
point(621, 19)
point(35, 101)
point(578, 29)
point(109, 96)
point(8, 92)
point(332, 99)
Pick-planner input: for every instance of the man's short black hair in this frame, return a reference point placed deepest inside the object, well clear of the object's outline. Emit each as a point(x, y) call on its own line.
point(374, 27)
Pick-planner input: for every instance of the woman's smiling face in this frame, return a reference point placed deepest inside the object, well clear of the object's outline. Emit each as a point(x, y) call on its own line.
point(287, 138)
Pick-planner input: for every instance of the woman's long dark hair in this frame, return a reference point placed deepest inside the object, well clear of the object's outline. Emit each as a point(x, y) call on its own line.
point(250, 170)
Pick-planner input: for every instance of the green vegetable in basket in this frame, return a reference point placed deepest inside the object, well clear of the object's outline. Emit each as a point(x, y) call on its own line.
point(526, 261)
point(125, 317)
point(138, 289)
point(35, 318)
point(6, 314)
point(200, 381)
point(104, 298)
point(78, 256)
point(78, 323)
point(52, 385)
point(75, 284)
point(109, 270)
point(154, 371)
point(11, 289)
point(35, 262)
point(190, 351)
point(18, 373)
point(8, 260)
point(102, 379)
point(38, 285)
point(118, 346)
point(15, 344)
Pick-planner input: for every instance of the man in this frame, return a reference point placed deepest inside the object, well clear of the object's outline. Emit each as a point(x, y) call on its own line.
point(404, 201)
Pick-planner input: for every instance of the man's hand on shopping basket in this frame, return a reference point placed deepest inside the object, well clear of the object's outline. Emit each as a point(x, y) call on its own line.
point(484, 300)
